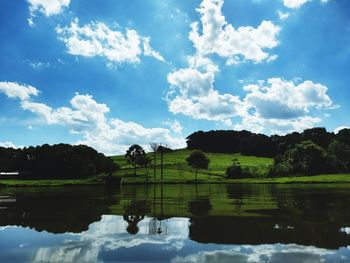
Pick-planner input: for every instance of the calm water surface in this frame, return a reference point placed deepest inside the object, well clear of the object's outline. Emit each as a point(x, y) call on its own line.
point(176, 223)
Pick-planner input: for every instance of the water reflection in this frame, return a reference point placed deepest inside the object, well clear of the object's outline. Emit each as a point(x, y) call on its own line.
point(176, 223)
point(108, 240)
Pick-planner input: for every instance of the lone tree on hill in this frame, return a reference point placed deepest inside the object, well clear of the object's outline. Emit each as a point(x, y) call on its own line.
point(198, 160)
point(134, 155)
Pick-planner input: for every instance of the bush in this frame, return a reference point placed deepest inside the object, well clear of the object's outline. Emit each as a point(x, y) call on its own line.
point(234, 171)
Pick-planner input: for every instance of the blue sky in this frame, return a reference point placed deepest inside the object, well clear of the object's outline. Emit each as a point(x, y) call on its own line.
point(113, 73)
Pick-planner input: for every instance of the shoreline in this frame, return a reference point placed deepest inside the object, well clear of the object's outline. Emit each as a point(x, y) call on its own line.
point(317, 179)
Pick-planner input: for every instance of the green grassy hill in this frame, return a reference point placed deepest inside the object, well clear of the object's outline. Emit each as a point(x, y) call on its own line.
point(177, 170)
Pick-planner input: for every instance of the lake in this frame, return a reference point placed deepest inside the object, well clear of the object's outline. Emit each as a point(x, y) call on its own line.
point(176, 223)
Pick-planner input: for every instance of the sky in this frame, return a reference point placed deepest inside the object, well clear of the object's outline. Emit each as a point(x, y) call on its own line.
point(110, 74)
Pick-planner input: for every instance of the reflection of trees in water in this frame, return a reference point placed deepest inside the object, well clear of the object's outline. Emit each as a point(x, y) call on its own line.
point(133, 220)
point(138, 209)
point(134, 213)
point(57, 211)
point(200, 206)
point(156, 225)
point(314, 205)
point(237, 193)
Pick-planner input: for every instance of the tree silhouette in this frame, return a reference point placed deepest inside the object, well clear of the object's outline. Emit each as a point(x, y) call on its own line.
point(59, 161)
point(134, 154)
point(198, 160)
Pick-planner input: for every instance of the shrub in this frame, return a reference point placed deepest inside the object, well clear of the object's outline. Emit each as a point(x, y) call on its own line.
point(234, 171)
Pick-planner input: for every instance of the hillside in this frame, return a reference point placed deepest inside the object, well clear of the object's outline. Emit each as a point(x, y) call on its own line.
point(176, 169)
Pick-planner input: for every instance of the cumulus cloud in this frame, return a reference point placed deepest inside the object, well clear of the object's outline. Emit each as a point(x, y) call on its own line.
point(47, 7)
point(281, 99)
point(219, 37)
point(110, 135)
point(272, 106)
point(295, 4)
point(280, 106)
point(9, 144)
point(213, 106)
point(88, 118)
point(97, 39)
point(192, 90)
point(14, 90)
point(192, 93)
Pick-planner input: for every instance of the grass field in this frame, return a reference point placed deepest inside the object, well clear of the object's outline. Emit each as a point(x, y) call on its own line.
point(177, 170)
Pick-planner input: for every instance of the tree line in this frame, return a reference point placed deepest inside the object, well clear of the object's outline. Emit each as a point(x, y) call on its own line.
point(60, 161)
point(256, 144)
point(311, 152)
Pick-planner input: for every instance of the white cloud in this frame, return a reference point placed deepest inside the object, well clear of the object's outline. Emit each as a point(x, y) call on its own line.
point(213, 106)
point(338, 129)
point(97, 39)
point(30, 21)
point(8, 144)
point(47, 7)
point(192, 93)
point(219, 37)
point(274, 106)
point(282, 16)
point(280, 106)
point(87, 118)
point(281, 99)
point(14, 90)
point(192, 90)
point(276, 126)
point(149, 51)
point(110, 234)
point(174, 126)
point(39, 65)
point(267, 253)
point(295, 4)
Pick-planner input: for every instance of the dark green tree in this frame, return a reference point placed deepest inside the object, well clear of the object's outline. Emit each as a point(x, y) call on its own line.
point(198, 160)
point(343, 136)
point(134, 154)
point(305, 158)
point(234, 170)
point(341, 153)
